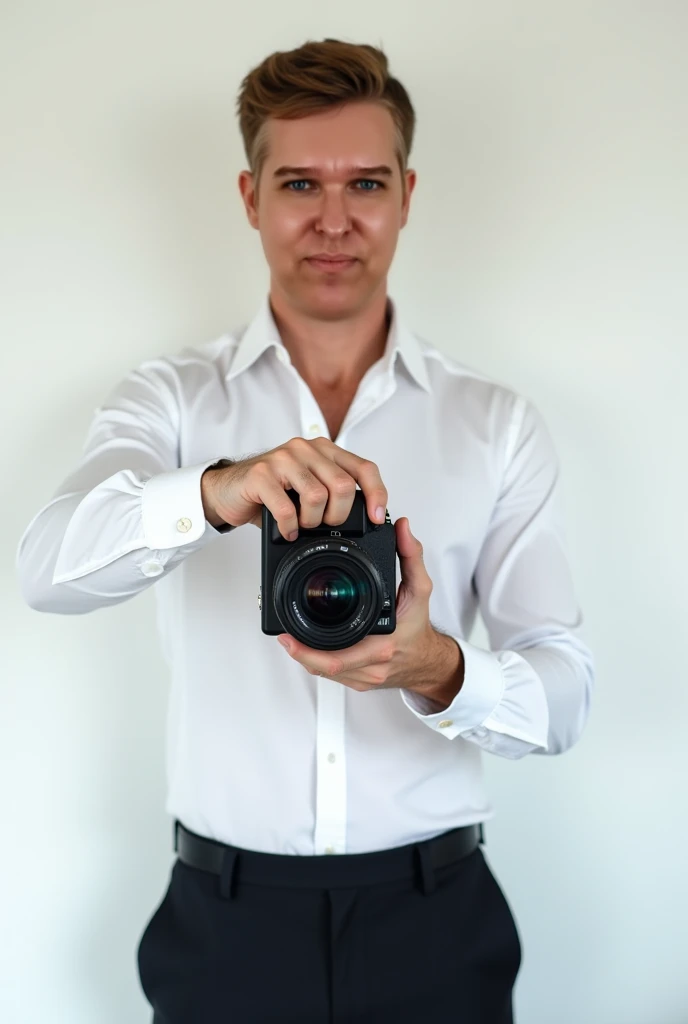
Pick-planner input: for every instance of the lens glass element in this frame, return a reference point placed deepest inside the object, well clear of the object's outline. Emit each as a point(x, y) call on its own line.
point(330, 595)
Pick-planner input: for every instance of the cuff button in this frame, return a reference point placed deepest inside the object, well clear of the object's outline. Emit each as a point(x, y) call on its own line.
point(183, 525)
point(152, 568)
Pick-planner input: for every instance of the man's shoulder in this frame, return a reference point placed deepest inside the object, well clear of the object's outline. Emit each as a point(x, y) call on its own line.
point(448, 372)
point(214, 352)
point(193, 360)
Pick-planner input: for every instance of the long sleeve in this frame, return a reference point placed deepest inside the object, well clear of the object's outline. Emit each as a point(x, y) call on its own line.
point(127, 514)
point(531, 692)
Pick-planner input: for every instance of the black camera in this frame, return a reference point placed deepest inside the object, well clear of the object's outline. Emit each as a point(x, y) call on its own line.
point(330, 587)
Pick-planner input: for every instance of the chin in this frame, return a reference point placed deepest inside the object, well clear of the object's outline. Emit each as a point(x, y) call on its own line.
point(329, 297)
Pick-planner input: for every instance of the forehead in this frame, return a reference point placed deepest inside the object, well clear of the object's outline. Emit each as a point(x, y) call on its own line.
point(334, 139)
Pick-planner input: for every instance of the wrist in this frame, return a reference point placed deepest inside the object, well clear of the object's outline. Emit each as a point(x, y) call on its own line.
point(448, 658)
point(208, 495)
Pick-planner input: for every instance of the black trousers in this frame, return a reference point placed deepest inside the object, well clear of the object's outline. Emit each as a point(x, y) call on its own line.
point(444, 948)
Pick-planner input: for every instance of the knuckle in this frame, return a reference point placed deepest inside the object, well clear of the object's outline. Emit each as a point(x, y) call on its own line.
point(343, 485)
point(284, 510)
point(300, 443)
point(261, 468)
point(335, 668)
point(315, 494)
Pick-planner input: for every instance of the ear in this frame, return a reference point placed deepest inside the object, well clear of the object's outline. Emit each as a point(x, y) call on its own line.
point(248, 194)
point(410, 185)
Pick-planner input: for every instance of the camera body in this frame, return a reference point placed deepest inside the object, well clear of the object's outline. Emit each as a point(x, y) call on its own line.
point(332, 586)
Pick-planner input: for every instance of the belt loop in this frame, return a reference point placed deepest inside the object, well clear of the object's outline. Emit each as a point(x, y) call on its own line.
point(175, 831)
point(227, 873)
point(427, 876)
point(481, 837)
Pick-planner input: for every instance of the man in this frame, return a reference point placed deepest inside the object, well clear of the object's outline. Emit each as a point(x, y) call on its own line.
point(328, 805)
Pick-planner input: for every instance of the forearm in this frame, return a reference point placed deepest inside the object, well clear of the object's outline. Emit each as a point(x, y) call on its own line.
point(84, 551)
point(445, 672)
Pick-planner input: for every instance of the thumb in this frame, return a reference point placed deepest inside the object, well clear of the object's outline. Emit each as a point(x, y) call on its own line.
point(414, 575)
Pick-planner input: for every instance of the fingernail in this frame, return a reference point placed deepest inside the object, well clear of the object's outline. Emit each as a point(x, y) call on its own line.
point(285, 643)
point(293, 535)
point(379, 513)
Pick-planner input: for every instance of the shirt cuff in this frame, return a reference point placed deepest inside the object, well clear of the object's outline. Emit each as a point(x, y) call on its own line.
point(480, 694)
point(172, 508)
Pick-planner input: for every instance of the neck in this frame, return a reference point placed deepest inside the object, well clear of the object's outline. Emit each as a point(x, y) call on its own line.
point(332, 355)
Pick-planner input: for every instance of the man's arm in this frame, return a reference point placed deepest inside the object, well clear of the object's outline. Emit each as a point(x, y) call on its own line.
point(531, 692)
point(127, 514)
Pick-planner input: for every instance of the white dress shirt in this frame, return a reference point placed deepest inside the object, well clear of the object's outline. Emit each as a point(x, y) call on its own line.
point(259, 752)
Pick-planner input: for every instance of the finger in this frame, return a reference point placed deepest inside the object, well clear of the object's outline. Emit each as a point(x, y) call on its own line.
point(291, 465)
point(268, 481)
point(363, 471)
point(410, 551)
point(263, 488)
point(372, 651)
point(339, 485)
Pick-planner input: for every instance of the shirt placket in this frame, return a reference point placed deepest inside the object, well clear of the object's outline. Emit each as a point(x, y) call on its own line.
point(330, 760)
point(330, 768)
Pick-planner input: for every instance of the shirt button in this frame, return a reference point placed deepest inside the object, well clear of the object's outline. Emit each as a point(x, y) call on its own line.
point(329, 849)
point(183, 525)
point(152, 568)
point(331, 758)
point(444, 723)
point(314, 428)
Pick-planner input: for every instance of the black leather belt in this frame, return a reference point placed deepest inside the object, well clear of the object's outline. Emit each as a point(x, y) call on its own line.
point(326, 870)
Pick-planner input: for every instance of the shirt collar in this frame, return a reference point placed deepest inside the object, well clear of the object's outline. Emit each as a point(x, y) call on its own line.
point(262, 334)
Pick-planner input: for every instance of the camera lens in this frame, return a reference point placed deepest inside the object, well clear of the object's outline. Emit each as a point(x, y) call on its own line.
point(329, 596)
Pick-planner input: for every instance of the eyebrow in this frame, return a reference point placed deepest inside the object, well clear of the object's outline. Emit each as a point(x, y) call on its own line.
point(382, 169)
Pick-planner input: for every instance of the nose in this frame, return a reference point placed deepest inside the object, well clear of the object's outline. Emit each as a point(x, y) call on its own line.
point(333, 216)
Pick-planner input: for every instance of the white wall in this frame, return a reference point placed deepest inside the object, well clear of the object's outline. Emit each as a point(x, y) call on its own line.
point(547, 247)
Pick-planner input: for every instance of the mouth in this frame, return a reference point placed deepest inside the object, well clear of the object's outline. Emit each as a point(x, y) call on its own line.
point(332, 266)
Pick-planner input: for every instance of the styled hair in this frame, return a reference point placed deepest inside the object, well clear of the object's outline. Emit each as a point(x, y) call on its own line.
point(295, 83)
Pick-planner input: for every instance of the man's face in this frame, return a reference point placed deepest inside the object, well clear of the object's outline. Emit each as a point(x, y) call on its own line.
point(331, 208)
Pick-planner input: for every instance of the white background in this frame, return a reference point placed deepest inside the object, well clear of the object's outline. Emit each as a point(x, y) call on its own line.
point(546, 247)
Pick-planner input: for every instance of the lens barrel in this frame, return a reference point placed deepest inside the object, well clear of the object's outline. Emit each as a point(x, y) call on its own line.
point(328, 594)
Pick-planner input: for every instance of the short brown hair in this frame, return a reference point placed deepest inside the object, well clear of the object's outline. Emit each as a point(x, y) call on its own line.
point(295, 83)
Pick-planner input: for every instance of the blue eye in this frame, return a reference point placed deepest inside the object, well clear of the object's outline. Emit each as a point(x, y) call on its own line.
point(304, 181)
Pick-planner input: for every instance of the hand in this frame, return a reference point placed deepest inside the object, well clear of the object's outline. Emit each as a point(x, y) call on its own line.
point(323, 474)
point(414, 656)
